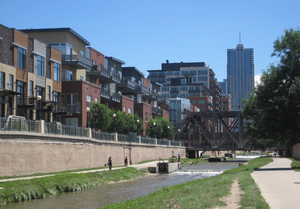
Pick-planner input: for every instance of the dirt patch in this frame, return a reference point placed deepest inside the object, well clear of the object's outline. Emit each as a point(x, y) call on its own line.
point(233, 200)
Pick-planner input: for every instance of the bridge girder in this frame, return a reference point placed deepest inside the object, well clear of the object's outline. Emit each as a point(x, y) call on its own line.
point(215, 134)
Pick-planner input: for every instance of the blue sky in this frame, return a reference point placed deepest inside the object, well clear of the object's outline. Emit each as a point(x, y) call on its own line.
point(145, 34)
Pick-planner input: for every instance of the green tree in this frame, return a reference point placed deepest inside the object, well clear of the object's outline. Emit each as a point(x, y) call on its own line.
point(99, 116)
point(273, 110)
point(160, 130)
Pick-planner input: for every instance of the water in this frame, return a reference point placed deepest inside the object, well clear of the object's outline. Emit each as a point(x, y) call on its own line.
point(121, 191)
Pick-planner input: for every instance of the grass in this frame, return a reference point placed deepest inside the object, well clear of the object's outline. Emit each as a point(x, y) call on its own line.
point(295, 164)
point(52, 173)
point(23, 190)
point(205, 193)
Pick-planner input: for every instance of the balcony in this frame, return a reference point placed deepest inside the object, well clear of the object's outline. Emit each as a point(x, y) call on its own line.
point(27, 102)
point(76, 61)
point(105, 93)
point(67, 109)
point(108, 96)
point(127, 85)
point(151, 96)
point(141, 89)
point(104, 74)
point(116, 97)
point(164, 101)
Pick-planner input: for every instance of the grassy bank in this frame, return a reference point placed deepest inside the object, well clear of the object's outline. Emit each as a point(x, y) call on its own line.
point(205, 193)
point(22, 190)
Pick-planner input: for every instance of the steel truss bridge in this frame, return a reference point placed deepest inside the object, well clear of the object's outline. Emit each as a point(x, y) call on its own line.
point(213, 131)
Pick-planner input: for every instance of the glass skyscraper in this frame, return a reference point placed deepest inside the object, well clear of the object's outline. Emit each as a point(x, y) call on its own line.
point(240, 75)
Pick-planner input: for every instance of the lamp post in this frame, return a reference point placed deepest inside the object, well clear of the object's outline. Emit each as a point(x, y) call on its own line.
point(39, 98)
point(138, 126)
point(154, 124)
point(114, 116)
point(87, 117)
point(168, 132)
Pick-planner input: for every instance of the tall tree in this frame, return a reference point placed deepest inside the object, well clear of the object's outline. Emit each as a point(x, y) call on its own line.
point(99, 116)
point(273, 110)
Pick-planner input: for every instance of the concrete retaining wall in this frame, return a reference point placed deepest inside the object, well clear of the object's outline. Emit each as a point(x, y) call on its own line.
point(23, 153)
point(296, 152)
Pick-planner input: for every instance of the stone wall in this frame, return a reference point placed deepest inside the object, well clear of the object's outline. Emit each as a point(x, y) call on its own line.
point(23, 153)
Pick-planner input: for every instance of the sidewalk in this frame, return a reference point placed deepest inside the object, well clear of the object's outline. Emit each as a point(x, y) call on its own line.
point(279, 184)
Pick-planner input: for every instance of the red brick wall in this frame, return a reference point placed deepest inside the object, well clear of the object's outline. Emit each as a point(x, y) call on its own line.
point(83, 89)
point(147, 83)
point(127, 103)
point(98, 57)
point(165, 114)
point(143, 108)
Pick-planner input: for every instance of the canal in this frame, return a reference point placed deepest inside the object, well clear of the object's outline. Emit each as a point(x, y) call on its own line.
point(121, 191)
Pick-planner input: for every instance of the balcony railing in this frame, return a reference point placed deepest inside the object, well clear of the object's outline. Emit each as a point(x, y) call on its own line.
point(116, 77)
point(128, 83)
point(116, 97)
point(158, 97)
point(27, 101)
point(142, 88)
point(104, 71)
point(68, 109)
point(76, 60)
point(105, 93)
point(153, 110)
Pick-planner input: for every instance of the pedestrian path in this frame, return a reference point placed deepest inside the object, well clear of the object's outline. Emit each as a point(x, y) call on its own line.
point(279, 184)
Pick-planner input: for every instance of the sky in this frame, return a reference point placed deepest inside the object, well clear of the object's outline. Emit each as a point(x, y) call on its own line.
point(145, 34)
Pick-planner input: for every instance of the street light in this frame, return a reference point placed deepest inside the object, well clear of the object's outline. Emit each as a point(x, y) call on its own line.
point(88, 114)
point(154, 124)
point(114, 116)
point(138, 126)
point(39, 98)
point(168, 132)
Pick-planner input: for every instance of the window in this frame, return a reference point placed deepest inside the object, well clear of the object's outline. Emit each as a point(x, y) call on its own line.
point(96, 100)
point(56, 71)
point(55, 96)
point(48, 92)
point(124, 109)
point(40, 65)
point(21, 58)
point(88, 100)
point(183, 81)
point(39, 91)
point(146, 116)
point(201, 101)
point(11, 82)
point(30, 88)
point(129, 111)
point(2, 80)
point(192, 101)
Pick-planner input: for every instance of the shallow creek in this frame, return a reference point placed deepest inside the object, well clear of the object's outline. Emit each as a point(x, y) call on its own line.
point(121, 191)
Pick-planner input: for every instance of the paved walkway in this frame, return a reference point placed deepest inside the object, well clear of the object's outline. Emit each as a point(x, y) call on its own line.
point(279, 184)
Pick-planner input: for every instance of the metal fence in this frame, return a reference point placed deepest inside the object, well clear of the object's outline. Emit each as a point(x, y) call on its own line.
point(21, 124)
point(162, 142)
point(146, 140)
point(102, 136)
point(18, 124)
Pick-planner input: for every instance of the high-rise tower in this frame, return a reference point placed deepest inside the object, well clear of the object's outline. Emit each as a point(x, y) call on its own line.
point(240, 75)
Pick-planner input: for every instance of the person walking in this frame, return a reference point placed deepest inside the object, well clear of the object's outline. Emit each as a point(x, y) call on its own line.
point(109, 163)
point(179, 156)
point(126, 162)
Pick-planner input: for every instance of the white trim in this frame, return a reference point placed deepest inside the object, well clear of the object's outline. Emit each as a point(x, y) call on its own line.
point(38, 54)
point(54, 61)
point(19, 45)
